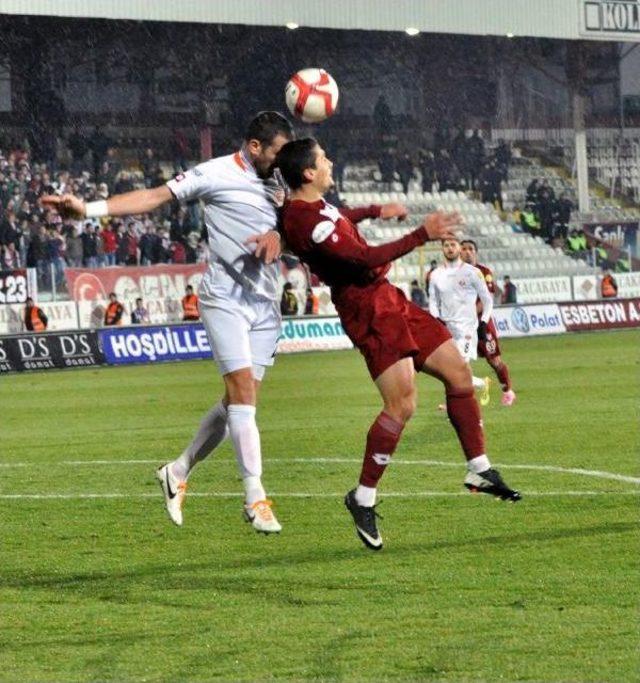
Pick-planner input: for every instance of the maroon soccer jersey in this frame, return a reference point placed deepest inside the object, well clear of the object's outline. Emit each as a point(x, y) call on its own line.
point(326, 239)
point(376, 316)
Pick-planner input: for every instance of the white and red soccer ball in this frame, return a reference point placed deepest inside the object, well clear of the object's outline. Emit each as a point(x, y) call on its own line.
point(311, 95)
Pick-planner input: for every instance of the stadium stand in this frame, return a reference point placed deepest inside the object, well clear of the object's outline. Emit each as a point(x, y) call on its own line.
point(504, 248)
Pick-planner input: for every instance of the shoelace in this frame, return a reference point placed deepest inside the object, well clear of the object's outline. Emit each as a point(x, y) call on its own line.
point(263, 509)
point(373, 513)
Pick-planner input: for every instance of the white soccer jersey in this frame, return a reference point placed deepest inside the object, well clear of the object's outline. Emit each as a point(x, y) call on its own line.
point(453, 291)
point(238, 204)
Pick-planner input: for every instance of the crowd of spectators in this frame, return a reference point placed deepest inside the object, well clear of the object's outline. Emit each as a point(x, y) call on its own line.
point(461, 162)
point(33, 237)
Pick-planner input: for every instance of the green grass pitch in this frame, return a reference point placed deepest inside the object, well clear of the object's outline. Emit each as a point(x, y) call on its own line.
point(99, 586)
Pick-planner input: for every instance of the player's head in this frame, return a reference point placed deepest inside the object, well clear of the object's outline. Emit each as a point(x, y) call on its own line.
point(469, 251)
point(265, 135)
point(451, 249)
point(112, 297)
point(138, 303)
point(189, 289)
point(28, 302)
point(304, 163)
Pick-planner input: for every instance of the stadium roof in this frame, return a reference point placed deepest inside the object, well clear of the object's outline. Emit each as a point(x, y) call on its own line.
point(569, 19)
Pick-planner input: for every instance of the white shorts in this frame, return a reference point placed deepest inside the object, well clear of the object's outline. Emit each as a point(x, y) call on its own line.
point(242, 333)
point(467, 343)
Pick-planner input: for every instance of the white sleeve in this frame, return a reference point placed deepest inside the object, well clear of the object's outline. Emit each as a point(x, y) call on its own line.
point(192, 184)
point(434, 298)
point(485, 295)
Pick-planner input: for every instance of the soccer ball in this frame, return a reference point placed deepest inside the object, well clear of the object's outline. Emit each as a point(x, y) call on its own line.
point(311, 95)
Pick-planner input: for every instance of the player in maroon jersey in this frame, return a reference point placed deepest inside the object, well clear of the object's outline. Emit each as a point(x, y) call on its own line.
point(395, 337)
point(489, 348)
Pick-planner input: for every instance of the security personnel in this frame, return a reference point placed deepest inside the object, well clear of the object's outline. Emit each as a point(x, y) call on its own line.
point(34, 318)
point(577, 241)
point(608, 286)
point(190, 305)
point(114, 311)
point(312, 304)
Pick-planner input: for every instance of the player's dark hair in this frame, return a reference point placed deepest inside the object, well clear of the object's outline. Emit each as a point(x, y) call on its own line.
point(294, 158)
point(266, 125)
point(475, 246)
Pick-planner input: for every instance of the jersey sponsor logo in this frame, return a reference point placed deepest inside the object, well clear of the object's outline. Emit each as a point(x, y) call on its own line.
point(381, 459)
point(331, 212)
point(322, 231)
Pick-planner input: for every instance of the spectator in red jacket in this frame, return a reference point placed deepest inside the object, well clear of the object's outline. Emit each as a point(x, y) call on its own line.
point(110, 244)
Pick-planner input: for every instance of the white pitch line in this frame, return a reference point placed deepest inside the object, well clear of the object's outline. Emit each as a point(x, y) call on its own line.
point(390, 494)
point(598, 474)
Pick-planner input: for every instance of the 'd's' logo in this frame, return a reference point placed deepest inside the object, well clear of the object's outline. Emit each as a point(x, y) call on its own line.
point(520, 319)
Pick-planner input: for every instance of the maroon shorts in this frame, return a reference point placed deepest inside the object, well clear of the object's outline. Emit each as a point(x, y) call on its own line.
point(489, 348)
point(386, 327)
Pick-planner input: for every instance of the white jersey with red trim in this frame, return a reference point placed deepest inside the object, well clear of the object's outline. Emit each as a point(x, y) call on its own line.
point(238, 204)
point(453, 291)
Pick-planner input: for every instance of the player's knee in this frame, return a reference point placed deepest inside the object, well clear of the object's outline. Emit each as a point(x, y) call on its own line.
point(459, 376)
point(403, 407)
point(240, 387)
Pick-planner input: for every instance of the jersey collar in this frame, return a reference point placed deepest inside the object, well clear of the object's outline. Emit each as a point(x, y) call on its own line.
point(456, 264)
point(242, 159)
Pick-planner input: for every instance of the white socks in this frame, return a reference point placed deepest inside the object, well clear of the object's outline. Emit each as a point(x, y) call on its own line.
point(239, 422)
point(211, 433)
point(244, 434)
point(478, 464)
point(478, 382)
point(366, 496)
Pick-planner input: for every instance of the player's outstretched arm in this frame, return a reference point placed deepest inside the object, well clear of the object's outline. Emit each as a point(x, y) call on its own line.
point(138, 201)
point(340, 245)
point(384, 211)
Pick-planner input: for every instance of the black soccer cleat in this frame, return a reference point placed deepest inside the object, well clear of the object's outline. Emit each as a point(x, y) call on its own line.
point(365, 520)
point(490, 482)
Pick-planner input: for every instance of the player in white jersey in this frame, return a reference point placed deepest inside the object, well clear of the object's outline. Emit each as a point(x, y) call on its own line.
point(454, 288)
point(238, 296)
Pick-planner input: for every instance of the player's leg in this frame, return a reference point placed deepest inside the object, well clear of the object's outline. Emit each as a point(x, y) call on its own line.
point(502, 373)
point(213, 430)
point(489, 349)
point(397, 388)
point(447, 364)
point(262, 338)
point(467, 341)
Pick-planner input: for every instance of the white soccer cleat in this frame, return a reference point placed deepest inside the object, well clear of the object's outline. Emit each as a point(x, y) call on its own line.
point(508, 398)
point(174, 492)
point(262, 518)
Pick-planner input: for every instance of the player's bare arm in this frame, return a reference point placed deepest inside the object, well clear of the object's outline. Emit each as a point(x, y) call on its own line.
point(129, 203)
point(393, 210)
point(268, 246)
